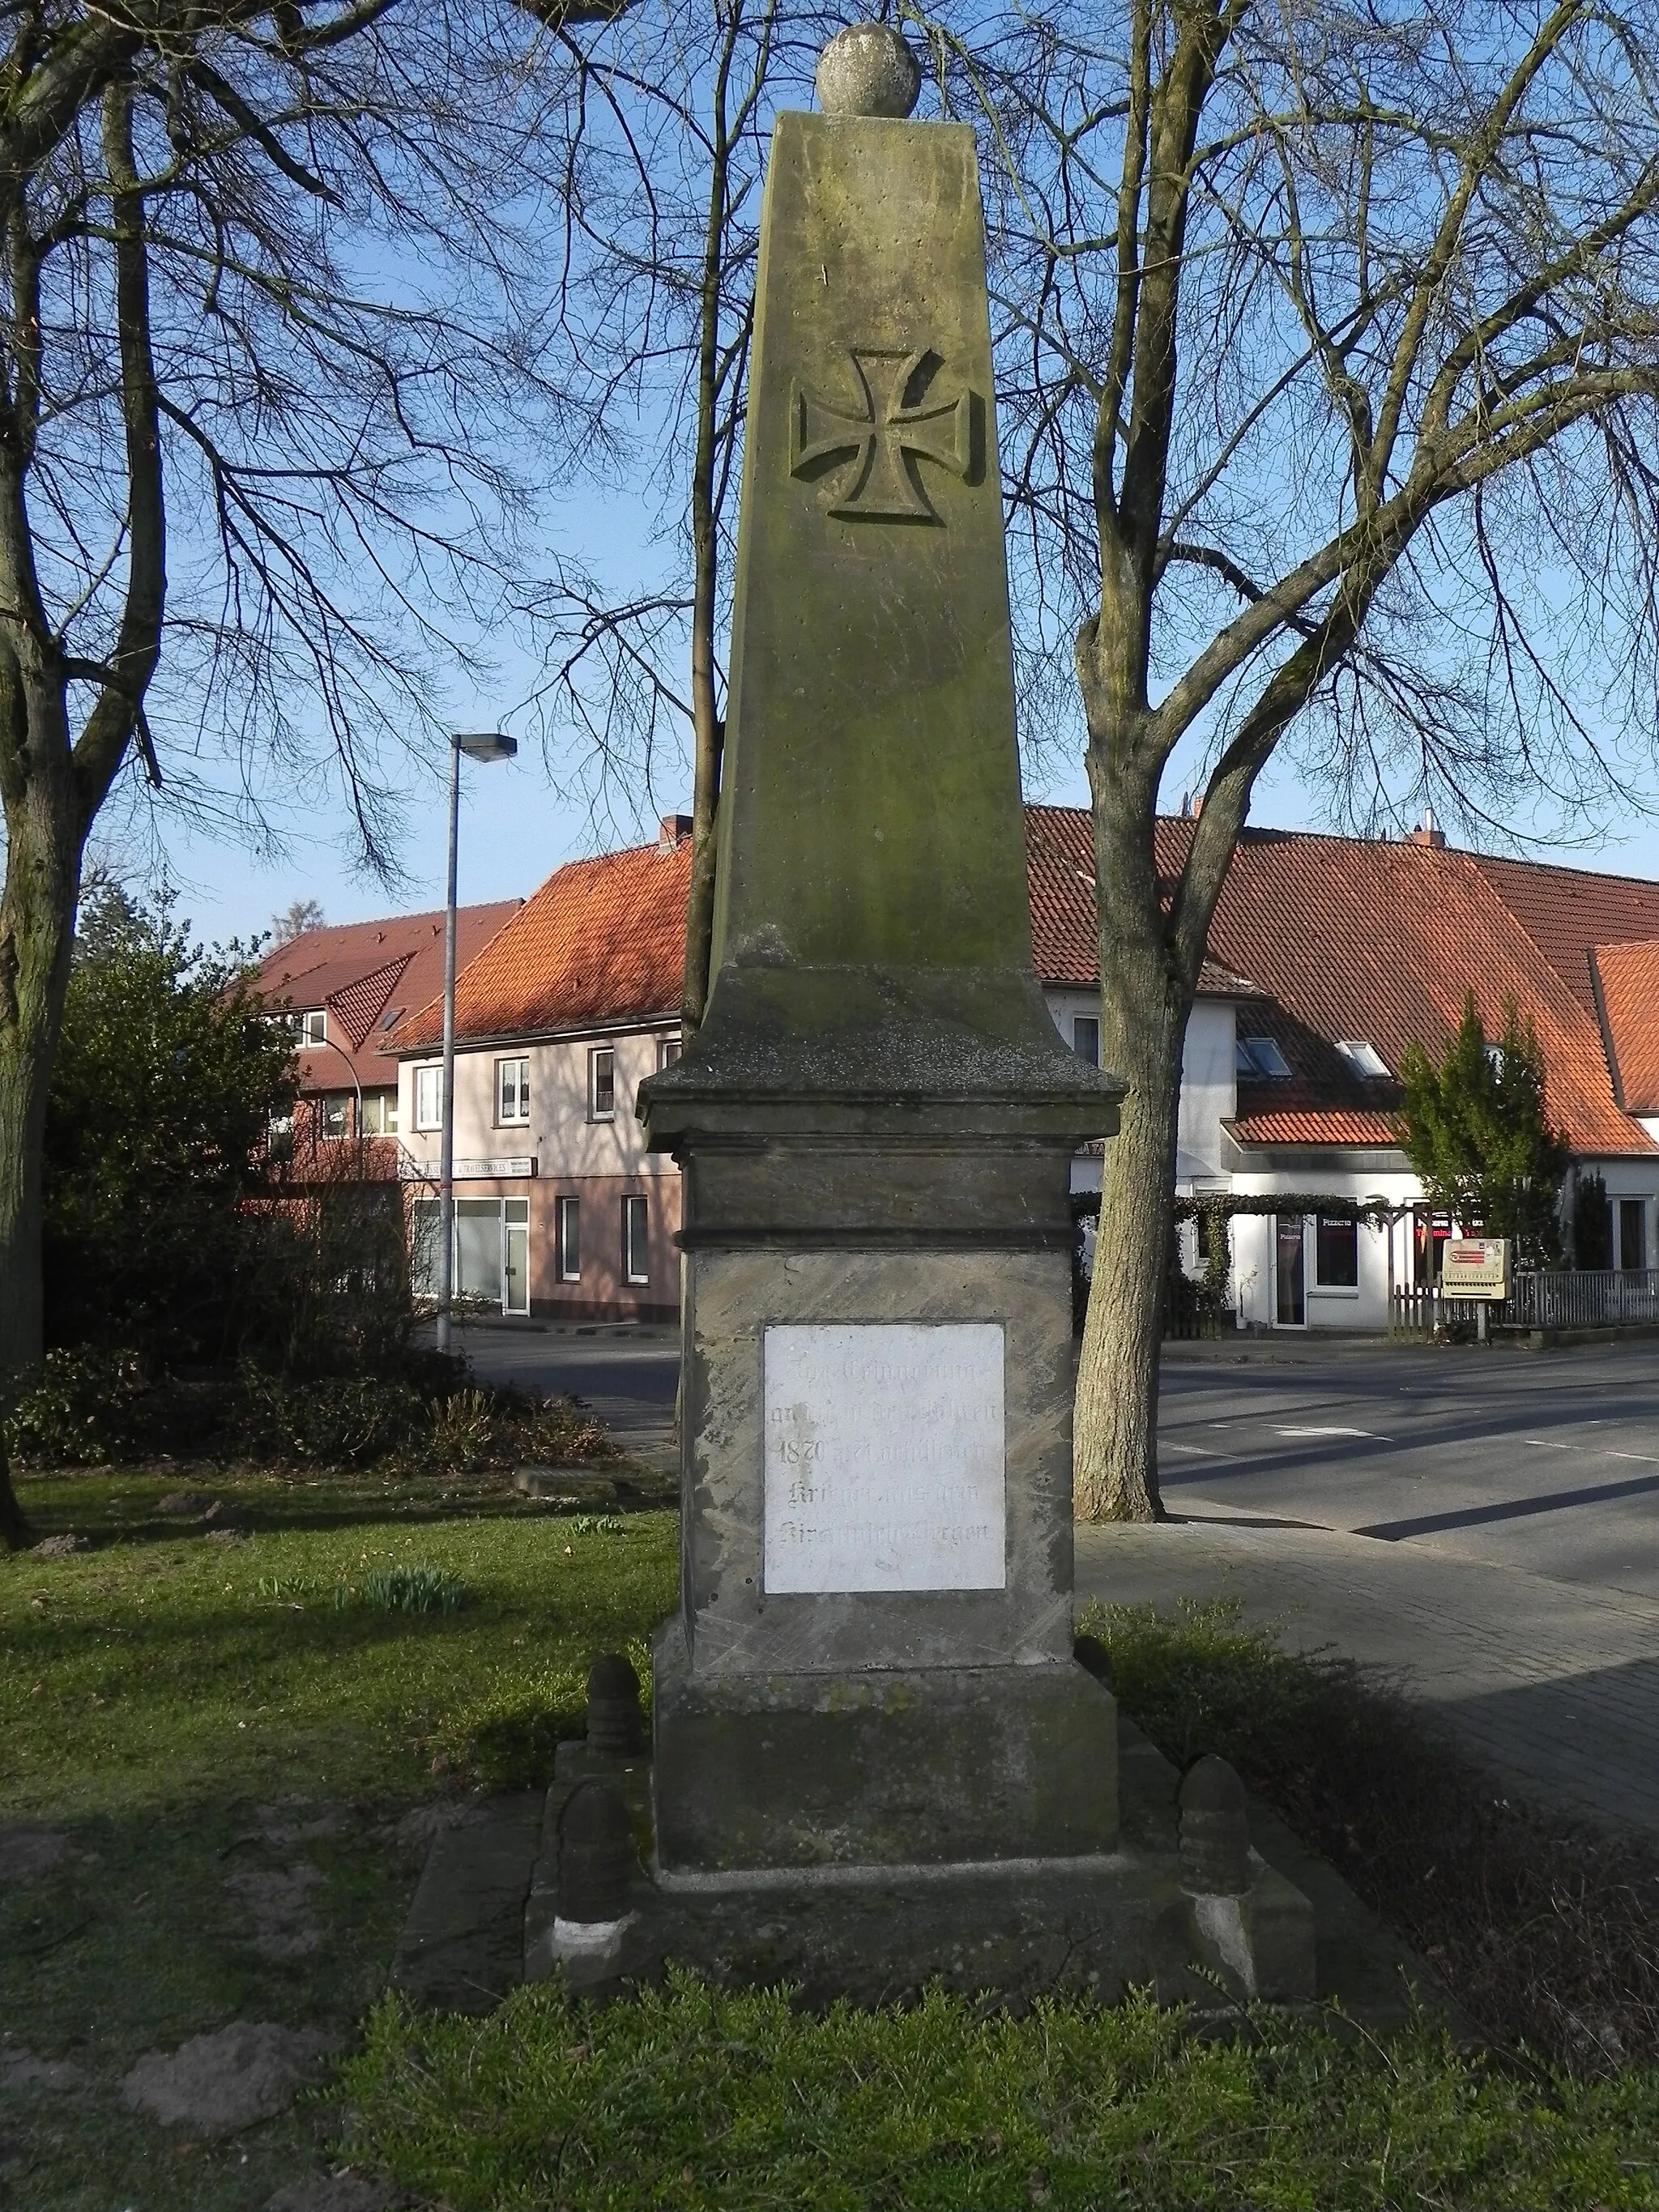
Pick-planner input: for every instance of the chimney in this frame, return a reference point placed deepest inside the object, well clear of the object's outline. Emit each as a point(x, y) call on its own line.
point(1427, 832)
point(676, 829)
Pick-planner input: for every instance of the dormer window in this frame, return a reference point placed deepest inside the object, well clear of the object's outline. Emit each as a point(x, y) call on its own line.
point(1364, 1059)
point(1260, 1056)
point(309, 1027)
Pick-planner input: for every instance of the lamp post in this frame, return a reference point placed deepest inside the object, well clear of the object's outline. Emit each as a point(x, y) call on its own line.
point(351, 1070)
point(478, 745)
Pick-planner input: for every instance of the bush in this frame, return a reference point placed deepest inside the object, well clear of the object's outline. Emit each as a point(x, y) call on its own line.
point(88, 1408)
point(351, 1420)
point(93, 1405)
point(173, 1224)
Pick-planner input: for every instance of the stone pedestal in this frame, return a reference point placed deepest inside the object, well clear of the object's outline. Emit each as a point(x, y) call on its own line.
point(877, 1393)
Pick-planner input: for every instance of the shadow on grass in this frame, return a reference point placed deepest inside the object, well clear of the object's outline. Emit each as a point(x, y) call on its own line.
point(1544, 1927)
point(155, 1927)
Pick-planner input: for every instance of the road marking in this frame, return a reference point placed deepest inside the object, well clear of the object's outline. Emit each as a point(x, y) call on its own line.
point(1335, 1432)
point(1548, 1444)
point(1203, 1451)
point(1647, 1458)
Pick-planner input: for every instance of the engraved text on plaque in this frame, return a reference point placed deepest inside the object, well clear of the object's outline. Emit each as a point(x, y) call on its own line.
point(884, 1464)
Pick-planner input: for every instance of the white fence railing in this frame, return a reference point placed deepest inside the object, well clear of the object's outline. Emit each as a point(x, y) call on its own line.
point(1584, 1297)
point(1559, 1298)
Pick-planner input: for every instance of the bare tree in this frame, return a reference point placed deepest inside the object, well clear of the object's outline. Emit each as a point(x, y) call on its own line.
point(300, 915)
point(663, 124)
point(1330, 350)
point(270, 329)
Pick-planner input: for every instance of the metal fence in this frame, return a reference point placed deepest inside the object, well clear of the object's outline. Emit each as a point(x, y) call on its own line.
point(1584, 1297)
point(1563, 1298)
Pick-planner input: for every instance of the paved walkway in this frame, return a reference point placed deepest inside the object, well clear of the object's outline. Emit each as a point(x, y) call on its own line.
point(1558, 1684)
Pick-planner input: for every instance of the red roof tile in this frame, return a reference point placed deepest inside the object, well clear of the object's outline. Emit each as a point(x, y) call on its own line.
point(1379, 941)
point(1331, 1127)
point(1629, 976)
point(359, 973)
point(602, 941)
point(1568, 911)
point(1328, 938)
point(1059, 874)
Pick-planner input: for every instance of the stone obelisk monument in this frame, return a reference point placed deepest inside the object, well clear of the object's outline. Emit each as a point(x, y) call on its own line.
point(872, 1661)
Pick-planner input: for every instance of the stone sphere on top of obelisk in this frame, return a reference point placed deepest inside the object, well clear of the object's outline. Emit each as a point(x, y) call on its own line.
point(868, 69)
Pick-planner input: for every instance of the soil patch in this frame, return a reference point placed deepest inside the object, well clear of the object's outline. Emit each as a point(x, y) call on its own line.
point(249, 2071)
point(335, 2192)
point(279, 1900)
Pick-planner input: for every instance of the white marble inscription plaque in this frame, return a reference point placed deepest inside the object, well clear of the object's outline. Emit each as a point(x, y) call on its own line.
point(884, 1462)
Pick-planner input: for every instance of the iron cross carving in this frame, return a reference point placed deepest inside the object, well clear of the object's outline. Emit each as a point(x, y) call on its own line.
point(875, 452)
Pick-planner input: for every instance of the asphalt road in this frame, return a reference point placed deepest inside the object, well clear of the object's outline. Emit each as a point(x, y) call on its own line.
point(1547, 1461)
point(625, 1372)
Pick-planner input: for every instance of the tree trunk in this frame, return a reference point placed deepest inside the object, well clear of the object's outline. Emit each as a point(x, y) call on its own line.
point(37, 920)
point(1143, 1007)
point(1115, 1419)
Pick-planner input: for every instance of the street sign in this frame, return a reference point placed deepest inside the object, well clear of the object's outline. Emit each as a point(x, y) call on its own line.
point(1475, 1267)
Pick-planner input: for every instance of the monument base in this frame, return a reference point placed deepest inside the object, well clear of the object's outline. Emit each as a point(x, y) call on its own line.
point(891, 1767)
point(1096, 1926)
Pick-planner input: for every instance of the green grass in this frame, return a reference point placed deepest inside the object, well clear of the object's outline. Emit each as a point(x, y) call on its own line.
point(194, 1714)
point(693, 2100)
point(164, 1666)
point(200, 1716)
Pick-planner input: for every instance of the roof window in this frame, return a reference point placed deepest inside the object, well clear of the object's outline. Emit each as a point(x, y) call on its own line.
point(1364, 1057)
point(1259, 1055)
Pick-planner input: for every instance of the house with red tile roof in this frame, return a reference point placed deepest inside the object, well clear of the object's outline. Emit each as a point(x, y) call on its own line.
point(344, 988)
point(1326, 957)
point(560, 1211)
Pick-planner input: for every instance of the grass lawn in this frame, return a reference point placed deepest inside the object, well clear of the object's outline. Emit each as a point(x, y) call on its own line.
point(224, 1758)
point(223, 1762)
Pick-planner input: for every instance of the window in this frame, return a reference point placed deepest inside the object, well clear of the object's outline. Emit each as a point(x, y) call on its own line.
point(311, 1028)
point(380, 1113)
point(1336, 1254)
point(1364, 1059)
point(429, 1097)
point(1085, 1038)
point(1632, 1232)
point(334, 1113)
point(636, 1240)
point(512, 1091)
point(1259, 1055)
point(602, 1084)
point(668, 1051)
point(569, 1225)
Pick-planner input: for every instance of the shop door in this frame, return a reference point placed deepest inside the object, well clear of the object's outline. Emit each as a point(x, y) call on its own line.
point(515, 1256)
point(1289, 1288)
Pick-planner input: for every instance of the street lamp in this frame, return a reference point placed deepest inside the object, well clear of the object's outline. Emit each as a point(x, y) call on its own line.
point(478, 745)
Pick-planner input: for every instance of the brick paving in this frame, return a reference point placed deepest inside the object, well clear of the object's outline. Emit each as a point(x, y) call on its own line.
point(1556, 1683)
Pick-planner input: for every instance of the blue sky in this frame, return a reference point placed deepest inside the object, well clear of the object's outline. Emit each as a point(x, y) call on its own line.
point(517, 826)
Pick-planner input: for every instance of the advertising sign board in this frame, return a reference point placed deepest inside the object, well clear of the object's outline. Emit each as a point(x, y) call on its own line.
point(1475, 1267)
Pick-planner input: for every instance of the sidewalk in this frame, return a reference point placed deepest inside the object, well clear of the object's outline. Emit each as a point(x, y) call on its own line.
point(1555, 1683)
